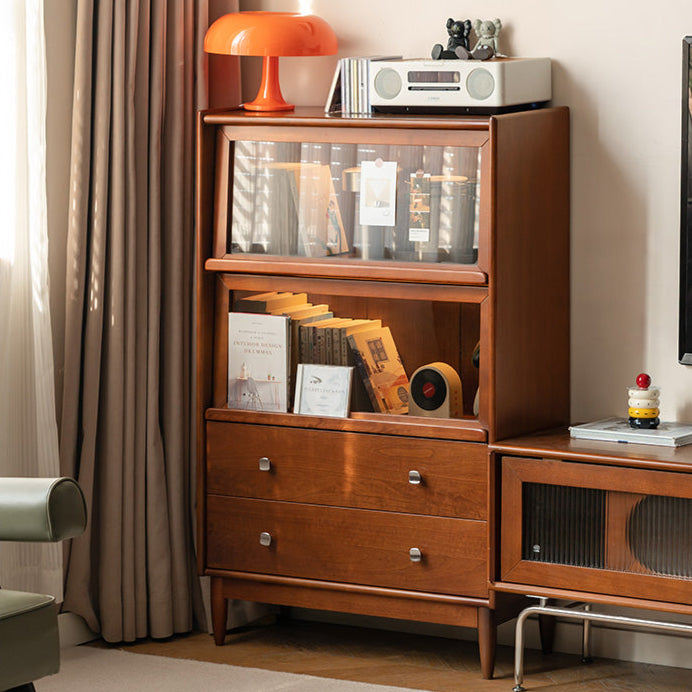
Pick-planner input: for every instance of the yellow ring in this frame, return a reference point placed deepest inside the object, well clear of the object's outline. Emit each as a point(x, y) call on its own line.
point(643, 412)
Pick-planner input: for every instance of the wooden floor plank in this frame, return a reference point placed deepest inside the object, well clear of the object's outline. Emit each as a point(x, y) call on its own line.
point(413, 661)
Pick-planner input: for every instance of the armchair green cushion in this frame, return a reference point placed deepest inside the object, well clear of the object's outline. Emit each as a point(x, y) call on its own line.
point(41, 509)
point(29, 643)
point(34, 509)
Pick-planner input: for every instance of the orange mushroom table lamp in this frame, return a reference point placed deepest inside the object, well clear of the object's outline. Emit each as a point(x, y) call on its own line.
point(270, 34)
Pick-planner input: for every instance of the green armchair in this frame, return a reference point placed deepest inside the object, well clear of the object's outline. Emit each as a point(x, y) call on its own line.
point(36, 510)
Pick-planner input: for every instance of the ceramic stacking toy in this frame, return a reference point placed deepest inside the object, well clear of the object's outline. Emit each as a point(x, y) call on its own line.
point(643, 403)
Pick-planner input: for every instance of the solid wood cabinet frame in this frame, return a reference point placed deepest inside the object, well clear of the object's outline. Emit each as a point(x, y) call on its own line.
point(626, 476)
point(427, 550)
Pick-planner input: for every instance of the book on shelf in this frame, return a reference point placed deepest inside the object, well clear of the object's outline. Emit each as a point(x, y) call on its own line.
point(313, 339)
point(323, 390)
point(380, 367)
point(321, 229)
point(333, 104)
point(267, 302)
point(619, 430)
point(360, 399)
point(342, 353)
point(258, 361)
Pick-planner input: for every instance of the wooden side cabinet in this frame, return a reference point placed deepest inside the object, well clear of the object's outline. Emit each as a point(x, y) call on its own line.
point(466, 261)
point(596, 521)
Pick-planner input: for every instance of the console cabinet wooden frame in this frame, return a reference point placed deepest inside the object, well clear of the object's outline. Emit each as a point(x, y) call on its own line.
point(337, 501)
point(640, 524)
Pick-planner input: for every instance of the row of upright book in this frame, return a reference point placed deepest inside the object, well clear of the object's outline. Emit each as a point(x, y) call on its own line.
point(271, 334)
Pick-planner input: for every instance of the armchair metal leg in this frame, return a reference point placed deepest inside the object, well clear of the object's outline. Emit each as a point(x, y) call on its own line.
point(587, 616)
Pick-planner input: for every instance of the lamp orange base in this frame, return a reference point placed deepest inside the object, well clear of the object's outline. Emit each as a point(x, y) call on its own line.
point(269, 97)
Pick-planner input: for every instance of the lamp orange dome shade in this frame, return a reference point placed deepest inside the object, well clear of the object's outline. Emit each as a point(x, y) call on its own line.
point(270, 34)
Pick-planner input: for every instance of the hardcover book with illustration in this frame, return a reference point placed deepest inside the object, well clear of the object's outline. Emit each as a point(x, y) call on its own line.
point(258, 361)
point(379, 365)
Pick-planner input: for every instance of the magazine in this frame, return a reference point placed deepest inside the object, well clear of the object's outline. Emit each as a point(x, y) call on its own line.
point(619, 430)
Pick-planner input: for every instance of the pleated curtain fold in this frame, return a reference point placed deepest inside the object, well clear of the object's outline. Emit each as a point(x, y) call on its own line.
point(126, 432)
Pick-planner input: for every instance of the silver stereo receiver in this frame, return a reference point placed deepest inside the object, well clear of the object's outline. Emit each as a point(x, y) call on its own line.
point(459, 86)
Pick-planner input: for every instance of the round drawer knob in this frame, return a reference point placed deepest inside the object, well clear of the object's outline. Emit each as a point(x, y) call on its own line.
point(265, 464)
point(414, 478)
point(415, 554)
point(265, 538)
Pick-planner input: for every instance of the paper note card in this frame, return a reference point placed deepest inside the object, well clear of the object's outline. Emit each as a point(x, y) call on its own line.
point(378, 193)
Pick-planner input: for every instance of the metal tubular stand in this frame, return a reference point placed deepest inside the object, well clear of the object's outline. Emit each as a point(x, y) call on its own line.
point(587, 616)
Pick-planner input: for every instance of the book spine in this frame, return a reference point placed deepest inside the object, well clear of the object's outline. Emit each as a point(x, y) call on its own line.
point(362, 370)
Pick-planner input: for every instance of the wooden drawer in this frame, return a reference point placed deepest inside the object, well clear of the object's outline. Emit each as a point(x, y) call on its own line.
point(348, 469)
point(347, 545)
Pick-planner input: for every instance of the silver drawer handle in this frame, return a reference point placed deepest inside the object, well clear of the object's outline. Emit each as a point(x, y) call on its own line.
point(414, 478)
point(265, 538)
point(415, 554)
point(265, 464)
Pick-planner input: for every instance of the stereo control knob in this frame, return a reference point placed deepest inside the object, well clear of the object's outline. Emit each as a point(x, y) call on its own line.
point(387, 83)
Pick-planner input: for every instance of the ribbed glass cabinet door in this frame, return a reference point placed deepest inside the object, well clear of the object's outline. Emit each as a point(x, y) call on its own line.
point(597, 528)
point(626, 532)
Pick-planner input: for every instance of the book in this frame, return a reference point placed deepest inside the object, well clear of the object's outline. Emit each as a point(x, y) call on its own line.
point(360, 399)
point(333, 103)
point(352, 80)
point(380, 367)
point(266, 302)
point(323, 390)
point(316, 338)
point(342, 351)
point(619, 430)
point(258, 361)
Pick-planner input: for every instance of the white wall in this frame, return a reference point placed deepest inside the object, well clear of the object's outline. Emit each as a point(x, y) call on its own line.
point(617, 65)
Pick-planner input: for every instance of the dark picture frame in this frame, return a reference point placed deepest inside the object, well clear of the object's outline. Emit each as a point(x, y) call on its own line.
point(685, 321)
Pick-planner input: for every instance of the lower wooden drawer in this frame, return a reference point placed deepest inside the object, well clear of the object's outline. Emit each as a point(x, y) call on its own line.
point(347, 545)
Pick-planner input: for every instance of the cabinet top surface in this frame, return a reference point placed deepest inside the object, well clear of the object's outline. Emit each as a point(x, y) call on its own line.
point(312, 116)
point(557, 444)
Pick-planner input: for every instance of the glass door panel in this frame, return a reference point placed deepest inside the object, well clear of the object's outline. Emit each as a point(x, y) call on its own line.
point(363, 201)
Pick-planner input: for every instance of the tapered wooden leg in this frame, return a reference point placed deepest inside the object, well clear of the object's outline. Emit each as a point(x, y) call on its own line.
point(219, 610)
point(487, 638)
point(546, 629)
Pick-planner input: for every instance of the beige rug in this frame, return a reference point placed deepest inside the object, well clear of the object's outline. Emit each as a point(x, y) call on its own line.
point(93, 669)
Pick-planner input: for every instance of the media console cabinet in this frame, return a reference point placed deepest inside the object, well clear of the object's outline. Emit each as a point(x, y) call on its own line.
point(595, 522)
point(462, 250)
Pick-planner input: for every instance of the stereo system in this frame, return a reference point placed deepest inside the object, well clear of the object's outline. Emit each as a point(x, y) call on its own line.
point(459, 86)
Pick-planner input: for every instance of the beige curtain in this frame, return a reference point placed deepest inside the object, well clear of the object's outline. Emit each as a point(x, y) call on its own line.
point(28, 431)
point(126, 414)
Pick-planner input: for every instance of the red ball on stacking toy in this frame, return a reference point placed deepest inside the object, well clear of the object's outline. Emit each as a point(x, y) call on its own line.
point(643, 380)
